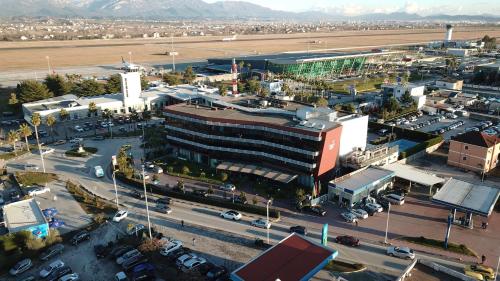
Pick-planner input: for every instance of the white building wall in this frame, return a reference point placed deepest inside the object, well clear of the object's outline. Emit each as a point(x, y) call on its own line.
point(354, 134)
point(131, 90)
point(420, 100)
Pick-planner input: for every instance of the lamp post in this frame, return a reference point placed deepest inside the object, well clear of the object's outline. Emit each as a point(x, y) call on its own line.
point(48, 63)
point(146, 199)
point(387, 223)
point(269, 201)
point(116, 192)
point(496, 273)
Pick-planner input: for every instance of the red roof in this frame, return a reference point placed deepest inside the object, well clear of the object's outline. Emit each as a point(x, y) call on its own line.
point(293, 258)
point(477, 138)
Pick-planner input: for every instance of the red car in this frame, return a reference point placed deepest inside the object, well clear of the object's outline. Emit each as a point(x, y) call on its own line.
point(347, 240)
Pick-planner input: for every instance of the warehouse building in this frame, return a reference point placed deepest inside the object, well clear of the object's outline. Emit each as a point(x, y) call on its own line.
point(25, 215)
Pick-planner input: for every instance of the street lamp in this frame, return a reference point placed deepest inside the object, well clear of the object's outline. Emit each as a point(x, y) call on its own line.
point(48, 63)
point(146, 198)
point(116, 192)
point(387, 223)
point(269, 201)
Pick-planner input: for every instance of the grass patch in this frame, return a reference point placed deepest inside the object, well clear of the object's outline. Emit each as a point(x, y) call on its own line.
point(74, 152)
point(340, 266)
point(433, 243)
point(91, 203)
point(34, 178)
point(10, 155)
point(177, 167)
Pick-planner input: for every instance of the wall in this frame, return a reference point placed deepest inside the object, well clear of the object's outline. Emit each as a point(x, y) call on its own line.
point(330, 151)
point(354, 135)
point(475, 156)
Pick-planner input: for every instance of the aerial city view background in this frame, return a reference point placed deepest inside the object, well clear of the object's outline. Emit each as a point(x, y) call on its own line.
point(249, 140)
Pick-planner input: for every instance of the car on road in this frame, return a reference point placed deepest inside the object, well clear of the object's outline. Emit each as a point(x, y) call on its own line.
point(70, 277)
point(120, 215)
point(298, 229)
point(192, 264)
point(228, 187)
point(80, 237)
point(50, 268)
point(360, 213)
point(164, 200)
point(130, 254)
point(52, 251)
point(76, 140)
point(347, 240)
point(260, 222)
point(401, 252)
point(162, 208)
point(135, 229)
point(38, 191)
point(486, 272)
point(60, 272)
point(231, 215)
point(47, 150)
point(317, 210)
point(137, 194)
point(200, 192)
point(349, 217)
point(374, 207)
point(31, 167)
point(98, 171)
point(170, 247)
point(20, 267)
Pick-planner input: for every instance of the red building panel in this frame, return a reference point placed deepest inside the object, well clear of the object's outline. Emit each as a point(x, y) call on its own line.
point(330, 150)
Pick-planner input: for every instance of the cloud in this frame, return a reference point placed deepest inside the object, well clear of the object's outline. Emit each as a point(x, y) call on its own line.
point(411, 7)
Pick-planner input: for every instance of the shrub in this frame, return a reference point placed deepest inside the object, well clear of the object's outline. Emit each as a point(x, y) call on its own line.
point(170, 169)
point(202, 174)
point(150, 245)
point(255, 200)
point(100, 218)
point(185, 170)
point(223, 176)
point(34, 243)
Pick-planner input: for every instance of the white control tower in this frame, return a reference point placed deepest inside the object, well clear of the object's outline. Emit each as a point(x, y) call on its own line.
point(449, 32)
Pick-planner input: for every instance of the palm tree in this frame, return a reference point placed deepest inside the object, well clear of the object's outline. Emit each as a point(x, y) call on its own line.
point(51, 121)
point(36, 120)
point(92, 108)
point(12, 137)
point(106, 114)
point(63, 115)
point(25, 131)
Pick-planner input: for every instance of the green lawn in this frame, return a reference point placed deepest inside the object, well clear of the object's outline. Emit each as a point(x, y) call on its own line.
point(362, 85)
point(455, 248)
point(32, 178)
point(10, 155)
point(174, 166)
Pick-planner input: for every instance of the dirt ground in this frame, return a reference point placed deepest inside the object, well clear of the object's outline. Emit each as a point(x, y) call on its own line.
point(32, 55)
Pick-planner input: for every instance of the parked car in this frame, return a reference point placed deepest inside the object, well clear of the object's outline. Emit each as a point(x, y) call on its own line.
point(79, 237)
point(132, 262)
point(38, 191)
point(192, 264)
point(52, 251)
point(401, 252)
point(261, 223)
point(127, 256)
point(119, 250)
point(374, 206)
point(70, 277)
point(486, 272)
point(135, 229)
point(101, 250)
point(231, 215)
point(360, 213)
point(20, 267)
point(347, 240)
point(60, 272)
point(349, 217)
point(240, 200)
point(298, 229)
point(51, 268)
point(120, 215)
point(395, 199)
point(78, 128)
point(180, 260)
point(317, 210)
point(143, 271)
point(228, 187)
point(121, 276)
point(170, 247)
point(158, 170)
point(216, 272)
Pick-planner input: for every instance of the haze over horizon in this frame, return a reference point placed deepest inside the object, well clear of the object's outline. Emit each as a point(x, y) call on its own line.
point(360, 7)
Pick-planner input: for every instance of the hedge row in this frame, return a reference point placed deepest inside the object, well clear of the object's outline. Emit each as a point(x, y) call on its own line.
point(204, 200)
point(421, 146)
point(412, 135)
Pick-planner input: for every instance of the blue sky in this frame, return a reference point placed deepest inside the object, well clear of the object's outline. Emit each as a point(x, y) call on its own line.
point(356, 7)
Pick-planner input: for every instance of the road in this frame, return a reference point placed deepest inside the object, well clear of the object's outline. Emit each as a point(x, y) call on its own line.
point(81, 170)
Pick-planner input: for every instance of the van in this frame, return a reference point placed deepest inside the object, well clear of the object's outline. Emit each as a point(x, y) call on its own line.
point(395, 199)
point(99, 172)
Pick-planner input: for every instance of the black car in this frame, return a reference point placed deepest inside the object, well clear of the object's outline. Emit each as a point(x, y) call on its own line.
point(132, 262)
point(14, 195)
point(370, 211)
point(199, 192)
point(204, 268)
point(101, 251)
point(60, 272)
point(164, 200)
point(216, 273)
point(137, 194)
point(298, 229)
point(317, 210)
point(81, 236)
point(347, 240)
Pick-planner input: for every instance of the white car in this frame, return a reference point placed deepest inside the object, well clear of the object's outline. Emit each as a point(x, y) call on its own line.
point(261, 223)
point(38, 190)
point(170, 247)
point(47, 150)
point(228, 187)
point(53, 266)
point(121, 276)
point(120, 215)
point(192, 263)
point(374, 206)
point(78, 128)
point(70, 277)
point(401, 252)
point(349, 217)
point(76, 140)
point(360, 213)
point(231, 215)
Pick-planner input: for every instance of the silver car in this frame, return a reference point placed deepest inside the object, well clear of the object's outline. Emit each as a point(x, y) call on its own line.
point(20, 267)
point(401, 252)
point(349, 217)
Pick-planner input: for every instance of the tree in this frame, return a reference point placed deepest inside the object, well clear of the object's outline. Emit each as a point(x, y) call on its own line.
point(189, 75)
point(253, 86)
point(171, 79)
point(392, 105)
point(241, 87)
point(180, 185)
point(286, 89)
point(25, 132)
point(223, 176)
point(350, 108)
point(114, 84)
point(222, 89)
point(490, 43)
point(36, 120)
point(185, 170)
point(32, 90)
point(322, 102)
point(144, 83)
point(210, 190)
point(92, 108)
point(12, 138)
point(58, 84)
point(51, 121)
point(243, 196)
point(89, 88)
point(255, 200)
point(300, 195)
point(264, 92)
point(63, 114)
point(13, 101)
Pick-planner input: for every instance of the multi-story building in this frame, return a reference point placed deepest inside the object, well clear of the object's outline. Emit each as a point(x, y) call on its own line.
point(474, 151)
point(397, 90)
point(275, 140)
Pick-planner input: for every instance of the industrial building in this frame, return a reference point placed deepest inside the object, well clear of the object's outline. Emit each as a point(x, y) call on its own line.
point(271, 139)
point(308, 65)
point(25, 215)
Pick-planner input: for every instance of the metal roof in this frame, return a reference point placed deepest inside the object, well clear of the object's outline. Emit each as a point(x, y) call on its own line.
point(478, 199)
point(411, 174)
point(353, 183)
point(257, 170)
point(23, 214)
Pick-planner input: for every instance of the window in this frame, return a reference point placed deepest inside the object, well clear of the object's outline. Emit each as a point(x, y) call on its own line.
point(465, 158)
point(466, 147)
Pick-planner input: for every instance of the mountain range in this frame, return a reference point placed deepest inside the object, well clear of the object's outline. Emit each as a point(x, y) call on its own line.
point(194, 9)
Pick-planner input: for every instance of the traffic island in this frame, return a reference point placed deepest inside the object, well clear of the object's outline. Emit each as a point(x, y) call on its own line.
point(439, 244)
point(344, 267)
point(84, 152)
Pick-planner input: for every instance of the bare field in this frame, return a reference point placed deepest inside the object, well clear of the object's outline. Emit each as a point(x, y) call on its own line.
point(31, 55)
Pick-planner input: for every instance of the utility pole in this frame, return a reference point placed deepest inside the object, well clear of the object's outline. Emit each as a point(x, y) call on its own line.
point(116, 192)
point(48, 63)
point(496, 272)
point(387, 223)
point(269, 201)
point(146, 199)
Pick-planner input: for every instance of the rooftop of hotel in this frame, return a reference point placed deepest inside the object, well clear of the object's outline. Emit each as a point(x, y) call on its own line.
point(23, 214)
